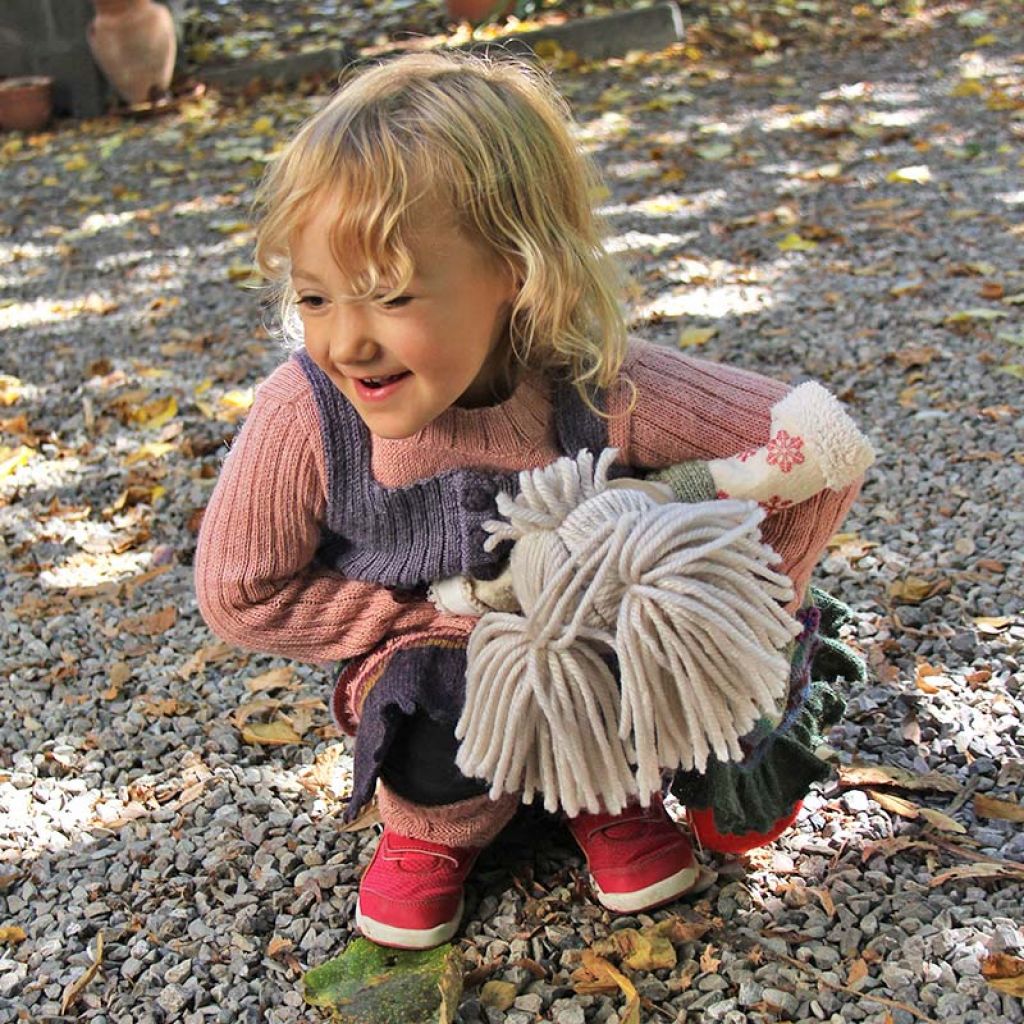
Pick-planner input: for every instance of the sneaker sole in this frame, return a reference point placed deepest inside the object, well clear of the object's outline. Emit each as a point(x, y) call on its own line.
point(652, 896)
point(407, 938)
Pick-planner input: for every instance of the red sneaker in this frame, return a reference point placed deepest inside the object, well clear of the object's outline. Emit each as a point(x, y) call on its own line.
point(638, 859)
point(410, 896)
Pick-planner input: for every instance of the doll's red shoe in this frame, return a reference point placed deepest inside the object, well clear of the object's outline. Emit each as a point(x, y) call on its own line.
point(702, 825)
point(410, 896)
point(638, 859)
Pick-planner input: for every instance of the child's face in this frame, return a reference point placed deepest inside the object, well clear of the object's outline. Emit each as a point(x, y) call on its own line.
point(441, 340)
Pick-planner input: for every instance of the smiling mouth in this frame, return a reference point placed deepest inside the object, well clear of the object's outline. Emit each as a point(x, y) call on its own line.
point(379, 382)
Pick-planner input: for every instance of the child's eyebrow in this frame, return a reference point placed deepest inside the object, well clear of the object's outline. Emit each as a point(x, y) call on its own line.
point(306, 276)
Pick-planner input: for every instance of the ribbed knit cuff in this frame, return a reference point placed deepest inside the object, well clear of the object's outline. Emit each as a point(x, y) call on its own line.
point(472, 822)
point(691, 481)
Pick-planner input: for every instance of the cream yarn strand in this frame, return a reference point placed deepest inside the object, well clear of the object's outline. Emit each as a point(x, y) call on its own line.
point(683, 596)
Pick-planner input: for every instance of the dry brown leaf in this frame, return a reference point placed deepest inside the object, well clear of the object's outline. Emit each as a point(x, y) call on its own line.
point(276, 678)
point(159, 707)
point(276, 946)
point(943, 822)
point(915, 589)
point(120, 673)
point(992, 625)
point(858, 970)
point(827, 903)
point(269, 734)
point(646, 950)
point(709, 963)
point(208, 655)
point(977, 872)
point(678, 931)
point(12, 934)
point(1004, 810)
point(597, 974)
point(1005, 973)
point(153, 624)
point(254, 707)
point(925, 676)
point(858, 775)
point(890, 847)
point(75, 988)
point(895, 804)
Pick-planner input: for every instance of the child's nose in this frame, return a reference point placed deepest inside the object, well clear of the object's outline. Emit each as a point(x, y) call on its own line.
point(351, 340)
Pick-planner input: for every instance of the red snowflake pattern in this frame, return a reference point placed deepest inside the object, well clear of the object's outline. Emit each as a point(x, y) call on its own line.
point(721, 495)
point(774, 504)
point(748, 454)
point(785, 451)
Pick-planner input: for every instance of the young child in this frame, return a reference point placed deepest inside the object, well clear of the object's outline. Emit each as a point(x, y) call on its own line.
point(431, 234)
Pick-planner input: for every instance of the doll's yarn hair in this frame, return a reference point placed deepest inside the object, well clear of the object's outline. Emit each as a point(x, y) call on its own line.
point(682, 597)
point(486, 142)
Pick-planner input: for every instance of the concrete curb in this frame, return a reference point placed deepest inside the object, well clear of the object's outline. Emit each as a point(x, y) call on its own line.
point(613, 35)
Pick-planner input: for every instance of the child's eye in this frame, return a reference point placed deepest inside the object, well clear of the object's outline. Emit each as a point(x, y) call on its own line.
point(311, 301)
point(396, 303)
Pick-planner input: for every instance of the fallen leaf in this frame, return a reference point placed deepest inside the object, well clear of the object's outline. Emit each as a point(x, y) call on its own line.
point(895, 804)
point(709, 963)
point(153, 624)
point(498, 994)
point(155, 413)
point(276, 946)
point(978, 872)
point(858, 970)
point(919, 174)
point(992, 625)
point(695, 336)
point(12, 934)
point(795, 243)
point(598, 975)
point(120, 673)
point(915, 589)
point(943, 822)
point(715, 151)
point(1004, 810)
point(276, 678)
point(367, 818)
point(858, 775)
point(925, 677)
point(275, 733)
point(1005, 973)
point(75, 988)
point(645, 950)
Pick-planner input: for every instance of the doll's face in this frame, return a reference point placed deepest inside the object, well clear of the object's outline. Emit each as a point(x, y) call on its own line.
point(402, 363)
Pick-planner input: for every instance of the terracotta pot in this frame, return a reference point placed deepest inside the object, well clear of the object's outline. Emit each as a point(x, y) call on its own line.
point(26, 104)
point(476, 11)
point(134, 44)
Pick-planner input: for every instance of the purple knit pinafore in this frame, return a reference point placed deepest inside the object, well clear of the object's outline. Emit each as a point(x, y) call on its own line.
point(406, 538)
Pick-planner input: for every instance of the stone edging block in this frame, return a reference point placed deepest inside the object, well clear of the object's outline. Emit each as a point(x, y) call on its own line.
point(612, 35)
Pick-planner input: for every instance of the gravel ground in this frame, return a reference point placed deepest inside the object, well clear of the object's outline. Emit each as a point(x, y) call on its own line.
point(133, 807)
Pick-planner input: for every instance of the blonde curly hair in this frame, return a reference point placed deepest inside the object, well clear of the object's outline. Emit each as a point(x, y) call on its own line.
point(491, 138)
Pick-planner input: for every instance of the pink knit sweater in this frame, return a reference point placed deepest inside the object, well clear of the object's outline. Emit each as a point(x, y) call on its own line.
point(256, 581)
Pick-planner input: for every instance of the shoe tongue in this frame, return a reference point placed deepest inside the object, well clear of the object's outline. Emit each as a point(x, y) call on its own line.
point(420, 861)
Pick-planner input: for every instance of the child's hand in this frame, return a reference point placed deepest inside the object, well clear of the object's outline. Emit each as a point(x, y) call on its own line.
point(463, 595)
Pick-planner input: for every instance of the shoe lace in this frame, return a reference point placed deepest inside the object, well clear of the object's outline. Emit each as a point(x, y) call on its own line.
point(396, 853)
point(641, 816)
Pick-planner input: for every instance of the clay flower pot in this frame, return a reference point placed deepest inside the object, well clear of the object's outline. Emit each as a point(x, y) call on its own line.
point(134, 44)
point(26, 104)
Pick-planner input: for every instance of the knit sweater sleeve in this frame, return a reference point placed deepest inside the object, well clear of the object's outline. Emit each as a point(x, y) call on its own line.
point(689, 408)
point(256, 580)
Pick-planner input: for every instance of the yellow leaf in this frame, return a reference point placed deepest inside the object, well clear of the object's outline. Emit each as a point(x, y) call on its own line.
point(715, 151)
point(262, 126)
point(234, 405)
point(647, 950)
point(270, 733)
point(992, 624)
point(149, 450)
point(1013, 369)
point(232, 227)
point(243, 273)
point(986, 40)
point(498, 994)
point(156, 413)
point(794, 243)
point(12, 934)
point(203, 386)
point(968, 87)
point(77, 163)
point(978, 313)
point(10, 389)
point(1004, 810)
point(691, 336)
point(919, 174)
point(12, 459)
